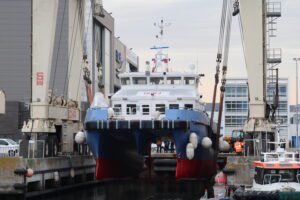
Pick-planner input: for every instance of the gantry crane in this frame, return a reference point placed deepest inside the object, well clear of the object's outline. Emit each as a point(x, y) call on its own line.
point(252, 18)
point(55, 120)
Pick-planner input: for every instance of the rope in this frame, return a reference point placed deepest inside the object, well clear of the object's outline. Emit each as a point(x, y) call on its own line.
point(228, 34)
point(71, 43)
point(221, 35)
point(84, 39)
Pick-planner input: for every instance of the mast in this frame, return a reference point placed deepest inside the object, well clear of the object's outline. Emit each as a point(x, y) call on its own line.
point(161, 60)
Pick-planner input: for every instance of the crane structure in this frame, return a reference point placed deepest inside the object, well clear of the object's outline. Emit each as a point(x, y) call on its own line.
point(252, 19)
point(53, 119)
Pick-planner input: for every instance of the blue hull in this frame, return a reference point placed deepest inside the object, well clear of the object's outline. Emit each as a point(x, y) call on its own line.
point(119, 146)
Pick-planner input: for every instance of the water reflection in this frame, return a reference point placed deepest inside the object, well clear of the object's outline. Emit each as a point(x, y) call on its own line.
point(132, 190)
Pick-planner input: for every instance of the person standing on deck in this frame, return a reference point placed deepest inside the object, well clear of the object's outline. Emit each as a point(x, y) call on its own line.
point(158, 143)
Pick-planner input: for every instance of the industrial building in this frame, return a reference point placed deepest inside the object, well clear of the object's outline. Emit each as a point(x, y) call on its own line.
point(236, 106)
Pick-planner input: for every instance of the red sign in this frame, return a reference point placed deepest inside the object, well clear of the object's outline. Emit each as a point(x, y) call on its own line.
point(40, 78)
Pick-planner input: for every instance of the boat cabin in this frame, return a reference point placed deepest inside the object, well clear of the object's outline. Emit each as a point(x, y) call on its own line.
point(148, 95)
point(277, 168)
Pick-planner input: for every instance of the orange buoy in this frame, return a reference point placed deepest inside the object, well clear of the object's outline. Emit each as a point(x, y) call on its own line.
point(221, 178)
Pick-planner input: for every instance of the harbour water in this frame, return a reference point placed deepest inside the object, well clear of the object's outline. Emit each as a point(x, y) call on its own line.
point(130, 190)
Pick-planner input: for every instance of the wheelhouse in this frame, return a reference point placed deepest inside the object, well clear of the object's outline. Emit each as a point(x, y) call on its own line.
point(277, 167)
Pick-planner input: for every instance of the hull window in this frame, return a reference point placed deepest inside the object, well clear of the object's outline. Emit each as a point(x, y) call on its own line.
point(131, 109)
point(146, 109)
point(188, 106)
point(125, 81)
point(173, 106)
point(161, 108)
point(117, 109)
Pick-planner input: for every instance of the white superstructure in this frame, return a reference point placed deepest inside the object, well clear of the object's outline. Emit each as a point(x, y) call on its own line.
point(147, 95)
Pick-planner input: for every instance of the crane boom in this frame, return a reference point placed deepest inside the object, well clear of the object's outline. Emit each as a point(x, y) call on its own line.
point(252, 21)
point(44, 15)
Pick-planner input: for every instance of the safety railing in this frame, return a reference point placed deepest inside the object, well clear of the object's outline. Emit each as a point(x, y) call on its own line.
point(273, 9)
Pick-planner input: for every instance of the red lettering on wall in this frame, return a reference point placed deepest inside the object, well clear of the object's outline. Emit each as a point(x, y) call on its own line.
point(40, 78)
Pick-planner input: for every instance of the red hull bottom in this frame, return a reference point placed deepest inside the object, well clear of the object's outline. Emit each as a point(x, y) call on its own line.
point(107, 168)
point(186, 168)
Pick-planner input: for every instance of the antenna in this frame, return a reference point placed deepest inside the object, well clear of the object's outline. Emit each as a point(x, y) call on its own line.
point(161, 25)
point(161, 60)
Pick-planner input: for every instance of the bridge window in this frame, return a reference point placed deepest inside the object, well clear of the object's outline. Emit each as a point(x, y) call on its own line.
point(156, 80)
point(131, 109)
point(174, 80)
point(146, 109)
point(125, 81)
point(188, 106)
point(173, 106)
point(161, 108)
point(118, 109)
point(139, 80)
point(189, 80)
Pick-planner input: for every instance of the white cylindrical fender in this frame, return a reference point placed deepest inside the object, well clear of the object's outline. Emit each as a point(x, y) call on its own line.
point(194, 140)
point(206, 142)
point(190, 151)
point(80, 137)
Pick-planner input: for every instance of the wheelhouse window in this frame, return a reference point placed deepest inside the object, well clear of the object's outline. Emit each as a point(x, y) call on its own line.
point(188, 106)
point(131, 109)
point(118, 109)
point(173, 80)
point(125, 81)
point(145, 110)
point(173, 106)
point(156, 80)
point(189, 80)
point(139, 80)
point(161, 108)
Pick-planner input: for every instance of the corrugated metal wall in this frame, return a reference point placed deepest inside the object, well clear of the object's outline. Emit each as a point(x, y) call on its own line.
point(15, 30)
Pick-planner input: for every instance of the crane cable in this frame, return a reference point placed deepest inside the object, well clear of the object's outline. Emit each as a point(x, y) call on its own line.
point(72, 44)
point(79, 16)
point(83, 41)
point(58, 49)
point(224, 68)
point(219, 57)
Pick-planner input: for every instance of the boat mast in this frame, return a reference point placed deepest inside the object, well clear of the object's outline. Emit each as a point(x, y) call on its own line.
point(161, 60)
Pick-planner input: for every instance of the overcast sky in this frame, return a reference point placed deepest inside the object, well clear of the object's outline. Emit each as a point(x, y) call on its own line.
point(193, 35)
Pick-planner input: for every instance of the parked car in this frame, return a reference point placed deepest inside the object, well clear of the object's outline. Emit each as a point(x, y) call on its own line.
point(8, 147)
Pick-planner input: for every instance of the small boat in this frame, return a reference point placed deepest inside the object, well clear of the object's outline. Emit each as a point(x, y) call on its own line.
point(277, 175)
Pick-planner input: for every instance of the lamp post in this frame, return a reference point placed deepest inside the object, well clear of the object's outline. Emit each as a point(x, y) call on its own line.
point(297, 131)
